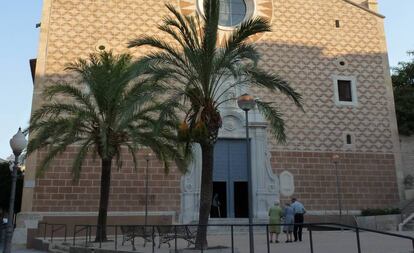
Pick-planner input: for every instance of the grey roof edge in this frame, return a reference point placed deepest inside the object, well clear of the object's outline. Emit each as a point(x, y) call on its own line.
point(364, 8)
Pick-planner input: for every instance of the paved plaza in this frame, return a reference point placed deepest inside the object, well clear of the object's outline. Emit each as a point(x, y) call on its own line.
point(323, 242)
point(22, 250)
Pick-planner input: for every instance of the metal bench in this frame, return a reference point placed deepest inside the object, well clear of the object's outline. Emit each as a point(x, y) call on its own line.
point(169, 233)
point(129, 233)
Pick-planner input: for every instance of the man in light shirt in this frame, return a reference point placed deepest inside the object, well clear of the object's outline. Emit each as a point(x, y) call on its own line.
point(299, 210)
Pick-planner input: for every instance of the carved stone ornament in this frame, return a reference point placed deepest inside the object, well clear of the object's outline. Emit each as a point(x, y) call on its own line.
point(230, 123)
point(264, 182)
point(287, 184)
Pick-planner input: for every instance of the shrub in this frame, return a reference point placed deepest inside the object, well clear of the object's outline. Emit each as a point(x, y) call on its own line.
point(379, 211)
point(409, 181)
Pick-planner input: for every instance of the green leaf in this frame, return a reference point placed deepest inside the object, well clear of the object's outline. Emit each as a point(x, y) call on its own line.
point(272, 114)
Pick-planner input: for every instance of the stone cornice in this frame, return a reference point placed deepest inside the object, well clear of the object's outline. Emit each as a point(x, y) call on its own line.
point(364, 8)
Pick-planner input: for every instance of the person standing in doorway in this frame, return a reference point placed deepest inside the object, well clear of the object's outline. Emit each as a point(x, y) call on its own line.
point(216, 206)
point(299, 211)
point(275, 214)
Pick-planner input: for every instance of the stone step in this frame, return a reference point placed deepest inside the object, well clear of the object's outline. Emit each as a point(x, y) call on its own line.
point(407, 207)
point(61, 247)
point(58, 251)
point(235, 221)
point(40, 244)
point(408, 228)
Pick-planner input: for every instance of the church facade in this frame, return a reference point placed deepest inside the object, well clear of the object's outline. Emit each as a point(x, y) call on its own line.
point(333, 52)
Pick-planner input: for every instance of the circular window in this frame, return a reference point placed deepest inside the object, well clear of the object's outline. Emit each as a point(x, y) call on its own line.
point(341, 62)
point(101, 45)
point(232, 12)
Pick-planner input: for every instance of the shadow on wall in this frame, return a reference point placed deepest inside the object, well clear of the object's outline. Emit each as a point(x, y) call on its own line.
point(321, 129)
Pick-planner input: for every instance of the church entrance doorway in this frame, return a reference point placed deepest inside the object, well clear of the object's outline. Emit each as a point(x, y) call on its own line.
point(230, 186)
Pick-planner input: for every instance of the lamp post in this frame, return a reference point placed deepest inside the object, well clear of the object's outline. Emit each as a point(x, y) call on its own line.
point(335, 159)
point(147, 158)
point(17, 143)
point(246, 103)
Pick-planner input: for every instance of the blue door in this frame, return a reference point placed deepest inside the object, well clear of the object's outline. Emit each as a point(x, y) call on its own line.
point(230, 179)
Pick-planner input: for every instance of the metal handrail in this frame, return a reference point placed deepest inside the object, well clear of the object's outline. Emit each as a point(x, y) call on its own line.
point(82, 228)
point(60, 226)
point(406, 205)
point(309, 226)
point(52, 225)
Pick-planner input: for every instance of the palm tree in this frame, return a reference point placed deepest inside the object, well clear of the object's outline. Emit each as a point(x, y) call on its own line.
point(109, 108)
point(199, 73)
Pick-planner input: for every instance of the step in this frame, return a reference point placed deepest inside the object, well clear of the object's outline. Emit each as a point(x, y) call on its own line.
point(58, 251)
point(234, 221)
point(61, 247)
point(408, 228)
point(41, 244)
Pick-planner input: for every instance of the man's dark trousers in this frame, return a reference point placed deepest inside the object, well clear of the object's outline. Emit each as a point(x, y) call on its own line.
point(297, 228)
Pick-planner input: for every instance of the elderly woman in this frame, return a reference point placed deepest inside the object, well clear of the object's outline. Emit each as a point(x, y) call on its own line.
point(289, 216)
point(275, 214)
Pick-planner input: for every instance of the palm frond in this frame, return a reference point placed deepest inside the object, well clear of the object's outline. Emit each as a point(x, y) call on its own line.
point(273, 82)
point(210, 29)
point(69, 91)
point(159, 44)
point(79, 159)
point(246, 30)
point(133, 152)
point(55, 109)
point(277, 125)
point(55, 150)
point(184, 24)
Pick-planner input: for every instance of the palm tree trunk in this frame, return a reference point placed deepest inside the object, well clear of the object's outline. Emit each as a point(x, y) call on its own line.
point(104, 200)
point(207, 154)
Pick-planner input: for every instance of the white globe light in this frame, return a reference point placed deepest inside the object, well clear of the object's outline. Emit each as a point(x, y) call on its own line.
point(335, 158)
point(246, 102)
point(148, 156)
point(18, 142)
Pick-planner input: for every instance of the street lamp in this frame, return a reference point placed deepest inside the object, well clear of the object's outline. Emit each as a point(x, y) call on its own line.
point(246, 103)
point(147, 158)
point(17, 143)
point(335, 159)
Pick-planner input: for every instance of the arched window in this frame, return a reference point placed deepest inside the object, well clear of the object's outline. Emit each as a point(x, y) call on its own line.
point(232, 12)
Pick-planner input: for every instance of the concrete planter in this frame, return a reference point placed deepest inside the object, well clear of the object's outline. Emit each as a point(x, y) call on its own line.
point(380, 222)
